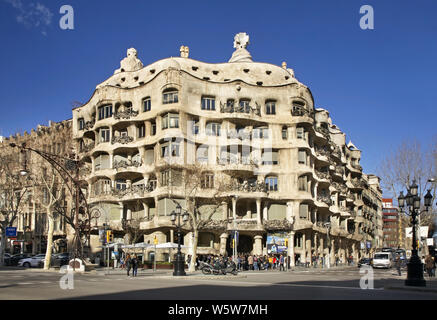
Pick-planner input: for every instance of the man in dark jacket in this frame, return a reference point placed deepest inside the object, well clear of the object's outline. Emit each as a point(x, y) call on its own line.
point(128, 264)
point(134, 262)
point(398, 264)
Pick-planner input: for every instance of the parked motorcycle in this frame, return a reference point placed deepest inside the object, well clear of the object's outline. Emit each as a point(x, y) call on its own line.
point(218, 268)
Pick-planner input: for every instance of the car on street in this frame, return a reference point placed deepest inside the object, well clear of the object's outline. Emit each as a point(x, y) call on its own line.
point(60, 259)
point(382, 260)
point(6, 258)
point(365, 262)
point(35, 261)
point(13, 260)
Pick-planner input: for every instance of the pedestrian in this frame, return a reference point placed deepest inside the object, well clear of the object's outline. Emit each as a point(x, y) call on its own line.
point(398, 264)
point(134, 262)
point(281, 263)
point(429, 265)
point(128, 264)
point(122, 266)
point(308, 261)
point(255, 263)
point(250, 261)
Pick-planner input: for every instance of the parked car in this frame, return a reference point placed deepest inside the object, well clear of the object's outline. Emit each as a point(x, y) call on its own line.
point(365, 261)
point(382, 260)
point(13, 260)
point(60, 259)
point(35, 261)
point(6, 259)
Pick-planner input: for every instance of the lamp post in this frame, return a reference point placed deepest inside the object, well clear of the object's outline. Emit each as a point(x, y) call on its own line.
point(411, 203)
point(179, 264)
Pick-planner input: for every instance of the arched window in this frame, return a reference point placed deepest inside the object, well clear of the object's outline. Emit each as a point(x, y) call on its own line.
point(170, 96)
point(270, 107)
point(272, 183)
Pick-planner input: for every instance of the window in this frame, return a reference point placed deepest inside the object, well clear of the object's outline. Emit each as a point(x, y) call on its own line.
point(300, 133)
point(213, 129)
point(170, 149)
point(302, 157)
point(244, 106)
point(147, 104)
point(153, 128)
point(303, 211)
point(81, 123)
point(195, 128)
point(303, 183)
point(171, 177)
point(208, 103)
point(120, 185)
point(170, 96)
point(202, 154)
point(105, 111)
point(260, 133)
point(141, 131)
point(123, 133)
point(269, 157)
point(105, 135)
point(284, 133)
point(270, 107)
point(207, 181)
point(170, 120)
point(272, 183)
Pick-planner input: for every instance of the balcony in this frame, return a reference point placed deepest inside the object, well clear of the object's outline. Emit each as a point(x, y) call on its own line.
point(248, 187)
point(236, 108)
point(122, 139)
point(322, 151)
point(358, 183)
point(298, 111)
point(87, 148)
point(124, 164)
point(322, 175)
point(325, 199)
point(357, 166)
point(125, 114)
point(89, 125)
point(323, 131)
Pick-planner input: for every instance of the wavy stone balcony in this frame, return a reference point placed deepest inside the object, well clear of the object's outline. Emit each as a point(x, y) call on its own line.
point(325, 199)
point(237, 109)
point(323, 175)
point(89, 125)
point(122, 139)
point(324, 132)
point(125, 115)
point(126, 164)
point(248, 187)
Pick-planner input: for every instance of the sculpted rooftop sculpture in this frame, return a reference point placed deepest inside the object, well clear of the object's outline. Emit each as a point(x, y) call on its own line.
point(241, 40)
point(130, 63)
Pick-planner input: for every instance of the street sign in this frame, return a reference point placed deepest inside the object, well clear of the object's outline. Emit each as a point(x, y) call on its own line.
point(11, 232)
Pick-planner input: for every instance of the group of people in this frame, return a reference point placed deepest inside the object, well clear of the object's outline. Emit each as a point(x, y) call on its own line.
point(430, 266)
point(128, 263)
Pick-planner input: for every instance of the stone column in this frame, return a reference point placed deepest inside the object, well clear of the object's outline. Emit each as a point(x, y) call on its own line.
point(304, 250)
point(316, 247)
point(265, 212)
point(248, 211)
point(257, 248)
point(289, 212)
point(291, 248)
point(121, 210)
point(258, 211)
point(234, 208)
point(308, 247)
point(171, 235)
point(332, 255)
point(92, 165)
point(129, 214)
point(321, 249)
point(225, 210)
point(223, 241)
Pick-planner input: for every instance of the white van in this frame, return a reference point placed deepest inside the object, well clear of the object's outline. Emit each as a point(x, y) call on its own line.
point(382, 260)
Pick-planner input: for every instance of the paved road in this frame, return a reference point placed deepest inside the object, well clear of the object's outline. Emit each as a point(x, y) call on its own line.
point(254, 285)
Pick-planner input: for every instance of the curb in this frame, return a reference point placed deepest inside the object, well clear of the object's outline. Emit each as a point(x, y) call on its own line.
point(416, 289)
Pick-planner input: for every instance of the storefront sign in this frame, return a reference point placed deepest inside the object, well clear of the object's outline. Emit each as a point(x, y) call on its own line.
point(277, 242)
point(11, 232)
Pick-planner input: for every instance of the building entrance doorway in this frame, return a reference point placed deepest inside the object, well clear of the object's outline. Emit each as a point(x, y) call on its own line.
point(245, 245)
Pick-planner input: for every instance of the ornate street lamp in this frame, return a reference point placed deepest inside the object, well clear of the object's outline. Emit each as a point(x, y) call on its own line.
point(179, 264)
point(411, 203)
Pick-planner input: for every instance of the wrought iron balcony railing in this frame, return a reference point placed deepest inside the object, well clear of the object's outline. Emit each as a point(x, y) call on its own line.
point(126, 114)
point(122, 139)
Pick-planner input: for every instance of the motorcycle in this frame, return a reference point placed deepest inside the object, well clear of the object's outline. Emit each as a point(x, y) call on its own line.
point(218, 268)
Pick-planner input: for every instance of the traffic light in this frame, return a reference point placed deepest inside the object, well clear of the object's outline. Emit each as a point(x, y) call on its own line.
point(286, 242)
point(109, 236)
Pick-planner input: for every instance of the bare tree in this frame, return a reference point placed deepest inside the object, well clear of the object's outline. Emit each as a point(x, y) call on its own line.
point(13, 191)
point(194, 182)
point(408, 162)
point(51, 194)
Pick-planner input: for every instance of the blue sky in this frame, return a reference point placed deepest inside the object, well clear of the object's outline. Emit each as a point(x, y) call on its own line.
point(379, 85)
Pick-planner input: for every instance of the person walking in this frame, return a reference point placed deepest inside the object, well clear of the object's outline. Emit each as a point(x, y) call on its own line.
point(134, 262)
point(398, 264)
point(255, 263)
point(308, 261)
point(429, 265)
point(281, 263)
point(128, 264)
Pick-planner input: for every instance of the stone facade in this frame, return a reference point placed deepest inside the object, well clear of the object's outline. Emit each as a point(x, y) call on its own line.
point(55, 139)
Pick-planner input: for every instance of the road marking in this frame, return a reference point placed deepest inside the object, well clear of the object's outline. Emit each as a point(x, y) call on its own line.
point(24, 283)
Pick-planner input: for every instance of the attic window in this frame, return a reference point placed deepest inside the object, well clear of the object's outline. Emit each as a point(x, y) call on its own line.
point(152, 71)
point(123, 79)
point(136, 78)
point(215, 72)
point(141, 83)
point(246, 70)
point(268, 72)
point(287, 77)
point(118, 85)
point(194, 68)
point(205, 78)
point(122, 70)
point(260, 83)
